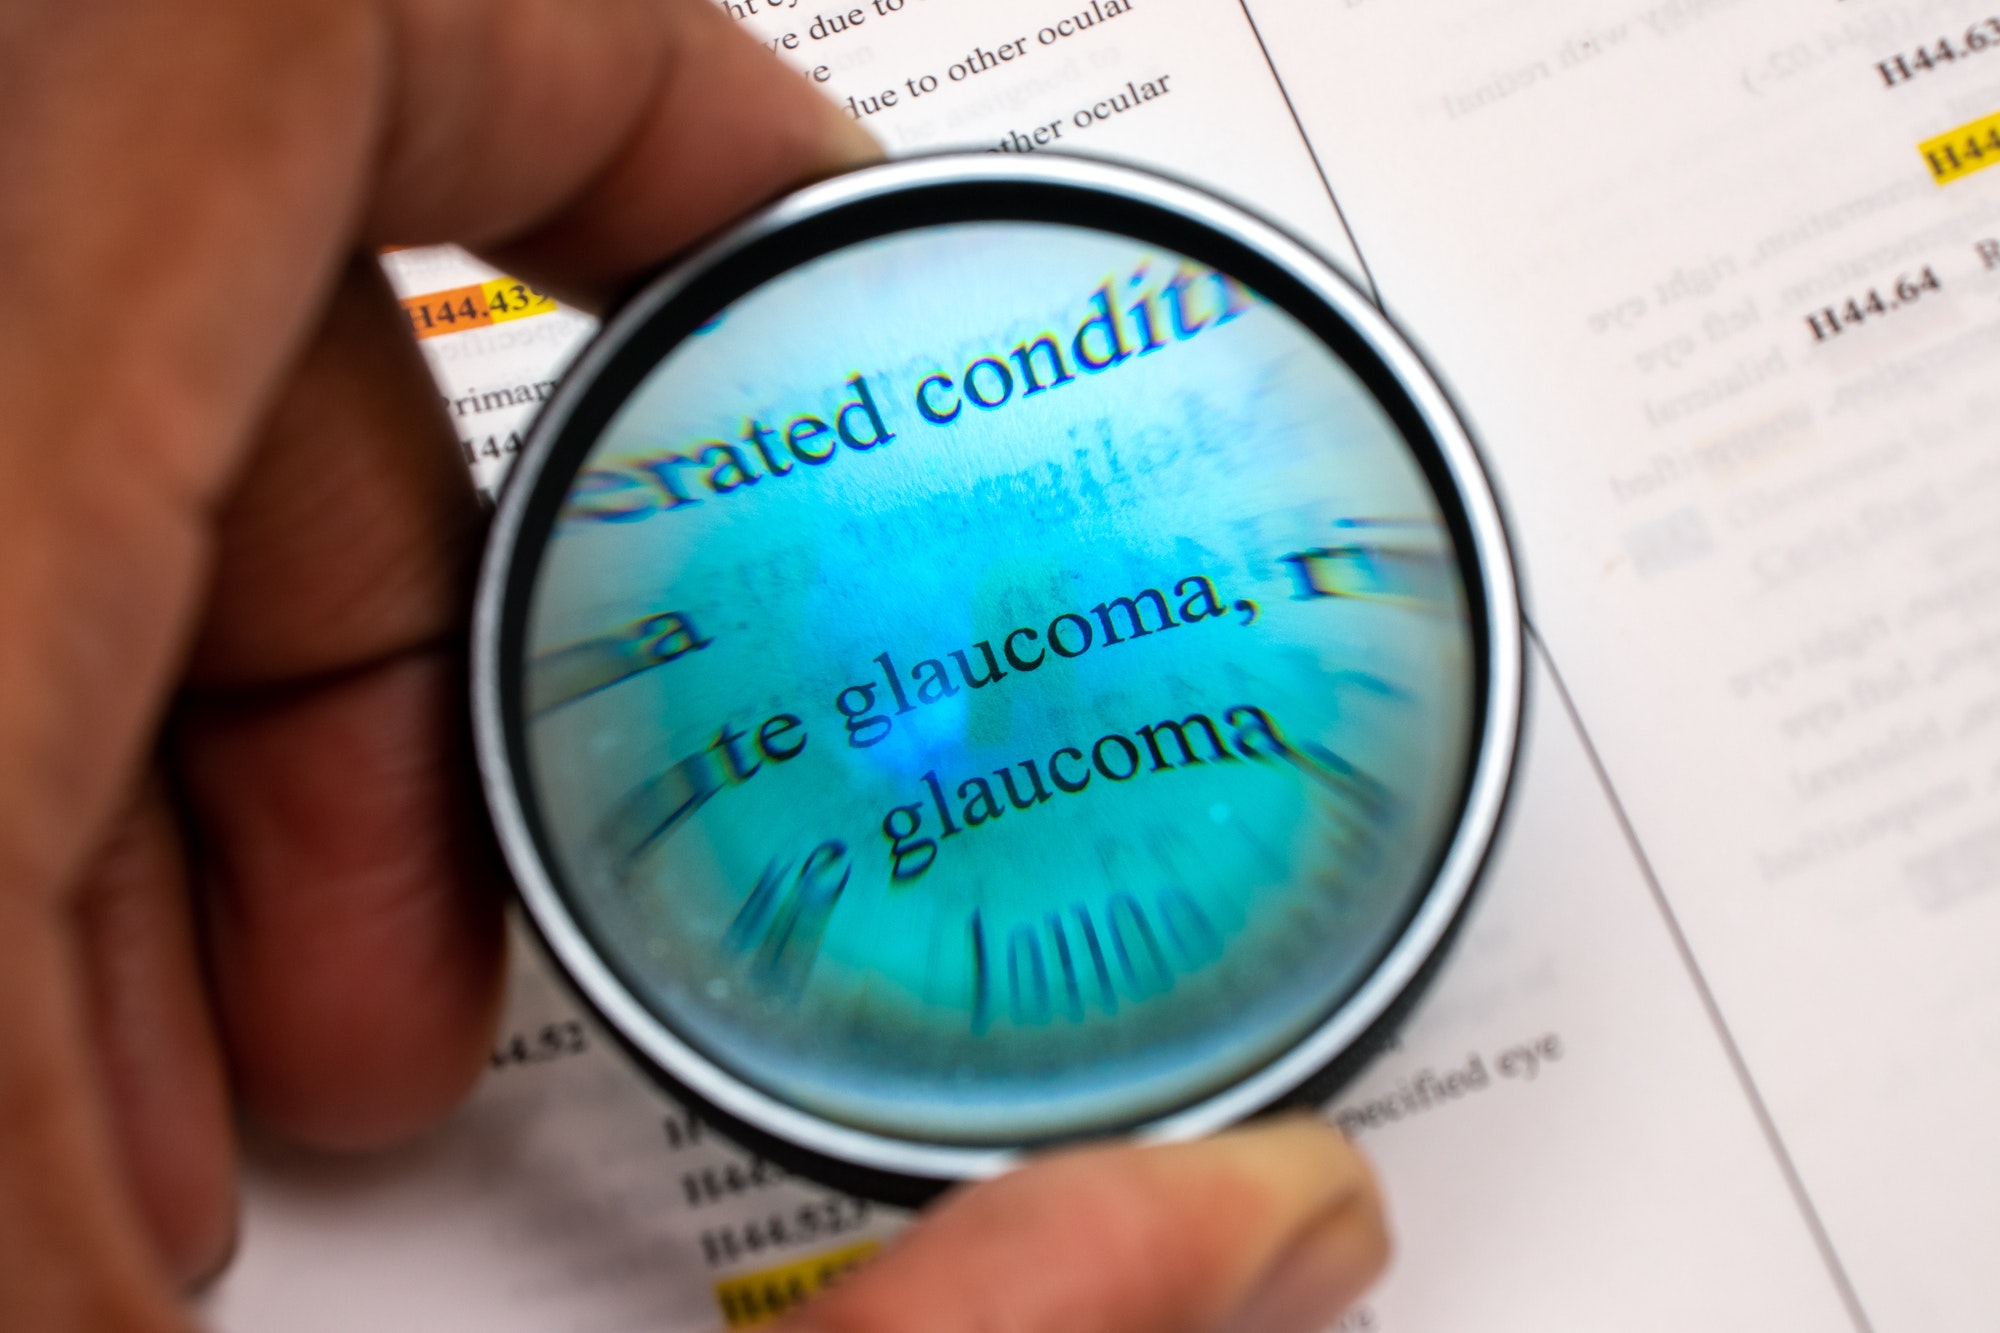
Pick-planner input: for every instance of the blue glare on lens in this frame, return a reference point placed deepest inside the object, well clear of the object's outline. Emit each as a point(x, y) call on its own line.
point(998, 681)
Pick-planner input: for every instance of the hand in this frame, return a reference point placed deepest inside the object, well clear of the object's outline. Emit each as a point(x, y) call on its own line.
point(1273, 1228)
point(239, 858)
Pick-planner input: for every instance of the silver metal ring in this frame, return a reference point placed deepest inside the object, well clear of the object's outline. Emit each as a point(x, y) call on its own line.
point(1491, 585)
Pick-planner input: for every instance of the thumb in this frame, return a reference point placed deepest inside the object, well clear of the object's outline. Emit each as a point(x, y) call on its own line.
point(1269, 1229)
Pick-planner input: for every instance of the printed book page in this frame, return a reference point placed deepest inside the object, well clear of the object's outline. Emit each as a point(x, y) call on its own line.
point(1750, 455)
point(1708, 278)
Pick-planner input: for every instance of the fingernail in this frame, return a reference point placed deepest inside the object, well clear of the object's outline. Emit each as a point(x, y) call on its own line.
point(1322, 1274)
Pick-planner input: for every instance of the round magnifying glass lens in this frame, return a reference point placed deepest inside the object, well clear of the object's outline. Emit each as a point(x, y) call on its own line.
point(996, 681)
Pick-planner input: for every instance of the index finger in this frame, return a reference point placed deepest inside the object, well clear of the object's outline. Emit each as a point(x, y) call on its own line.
point(335, 805)
point(581, 144)
point(172, 252)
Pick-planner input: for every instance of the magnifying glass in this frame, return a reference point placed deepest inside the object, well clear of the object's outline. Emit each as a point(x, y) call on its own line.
point(992, 652)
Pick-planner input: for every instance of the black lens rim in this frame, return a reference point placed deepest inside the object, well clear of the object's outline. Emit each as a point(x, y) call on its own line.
point(665, 312)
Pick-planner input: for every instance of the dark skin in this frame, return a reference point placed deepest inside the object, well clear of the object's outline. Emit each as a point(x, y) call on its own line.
point(241, 868)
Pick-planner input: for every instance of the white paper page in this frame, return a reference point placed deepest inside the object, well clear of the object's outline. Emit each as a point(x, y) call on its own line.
point(1182, 86)
point(1599, 1166)
point(1627, 1184)
point(1562, 1140)
point(1767, 557)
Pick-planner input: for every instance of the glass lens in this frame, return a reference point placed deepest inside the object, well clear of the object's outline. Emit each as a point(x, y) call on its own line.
point(997, 681)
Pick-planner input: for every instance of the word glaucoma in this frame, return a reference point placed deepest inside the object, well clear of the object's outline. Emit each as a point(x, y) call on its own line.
point(1069, 635)
point(1115, 330)
point(1247, 733)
